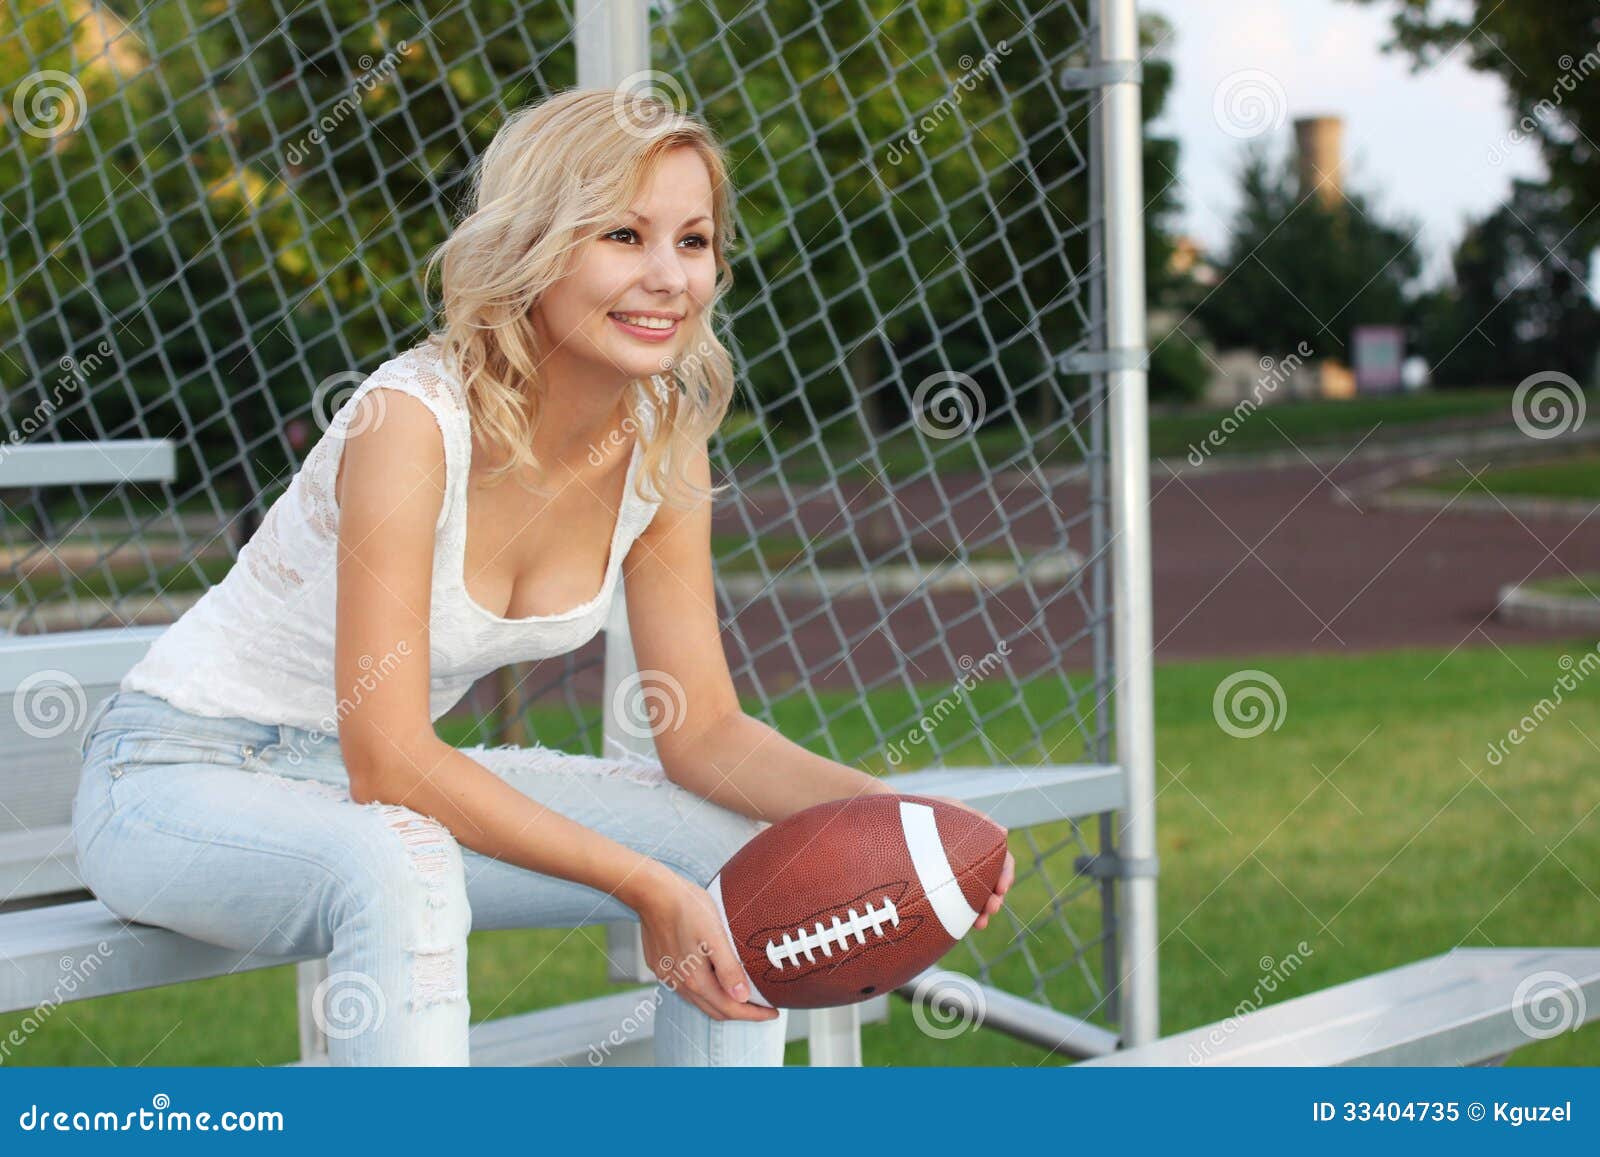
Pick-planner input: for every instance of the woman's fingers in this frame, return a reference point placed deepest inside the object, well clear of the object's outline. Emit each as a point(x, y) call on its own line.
point(1008, 875)
point(722, 983)
point(729, 973)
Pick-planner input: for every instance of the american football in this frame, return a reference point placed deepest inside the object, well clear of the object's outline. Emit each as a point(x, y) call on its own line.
point(853, 897)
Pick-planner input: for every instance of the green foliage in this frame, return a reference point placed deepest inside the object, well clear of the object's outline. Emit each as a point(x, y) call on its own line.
point(1179, 370)
point(247, 205)
point(1297, 270)
point(245, 208)
point(1520, 300)
point(1546, 54)
point(909, 176)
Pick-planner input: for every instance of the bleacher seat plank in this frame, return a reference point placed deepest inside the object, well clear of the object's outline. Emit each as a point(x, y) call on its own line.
point(1458, 1008)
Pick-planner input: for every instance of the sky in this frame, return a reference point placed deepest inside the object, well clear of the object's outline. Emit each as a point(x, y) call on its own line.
point(1420, 144)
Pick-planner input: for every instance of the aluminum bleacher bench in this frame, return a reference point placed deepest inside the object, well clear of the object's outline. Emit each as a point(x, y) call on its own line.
point(49, 921)
point(46, 919)
point(1468, 1006)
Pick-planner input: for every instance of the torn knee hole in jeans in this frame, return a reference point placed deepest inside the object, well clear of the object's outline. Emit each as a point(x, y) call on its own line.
point(435, 976)
point(428, 843)
point(435, 971)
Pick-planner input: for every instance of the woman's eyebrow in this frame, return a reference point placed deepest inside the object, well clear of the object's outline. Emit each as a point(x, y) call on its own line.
point(646, 220)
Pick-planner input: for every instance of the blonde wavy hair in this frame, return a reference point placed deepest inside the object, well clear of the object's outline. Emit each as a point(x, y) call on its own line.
point(554, 175)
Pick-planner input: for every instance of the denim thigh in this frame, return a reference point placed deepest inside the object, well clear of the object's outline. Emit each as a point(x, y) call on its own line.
point(243, 834)
point(179, 822)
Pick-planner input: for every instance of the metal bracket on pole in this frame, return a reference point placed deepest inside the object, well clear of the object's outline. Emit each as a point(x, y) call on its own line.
point(1104, 361)
point(1103, 74)
point(1110, 866)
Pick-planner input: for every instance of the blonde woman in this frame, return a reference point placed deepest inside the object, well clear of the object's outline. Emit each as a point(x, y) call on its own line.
point(268, 777)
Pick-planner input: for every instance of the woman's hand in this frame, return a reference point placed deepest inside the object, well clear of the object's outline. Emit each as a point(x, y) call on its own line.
point(1008, 871)
point(690, 953)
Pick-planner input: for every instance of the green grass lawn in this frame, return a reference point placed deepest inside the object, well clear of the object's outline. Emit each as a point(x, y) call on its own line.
point(109, 579)
point(1369, 825)
point(1576, 476)
point(1583, 586)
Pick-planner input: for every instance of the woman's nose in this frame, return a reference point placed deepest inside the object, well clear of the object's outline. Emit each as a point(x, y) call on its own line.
point(664, 272)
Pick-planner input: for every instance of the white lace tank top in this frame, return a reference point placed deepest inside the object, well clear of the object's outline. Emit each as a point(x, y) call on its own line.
point(259, 644)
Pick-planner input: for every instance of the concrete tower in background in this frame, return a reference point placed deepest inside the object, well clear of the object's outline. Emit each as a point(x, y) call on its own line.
point(1319, 153)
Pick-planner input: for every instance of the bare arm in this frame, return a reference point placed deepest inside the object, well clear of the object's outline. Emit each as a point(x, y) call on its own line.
point(705, 741)
point(745, 765)
point(390, 491)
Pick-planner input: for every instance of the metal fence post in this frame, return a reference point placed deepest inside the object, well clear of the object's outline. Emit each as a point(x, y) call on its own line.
point(1130, 504)
point(612, 39)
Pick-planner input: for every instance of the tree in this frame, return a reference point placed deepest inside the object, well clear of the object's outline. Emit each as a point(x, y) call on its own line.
point(1519, 303)
point(1547, 55)
point(1298, 270)
point(242, 208)
point(913, 185)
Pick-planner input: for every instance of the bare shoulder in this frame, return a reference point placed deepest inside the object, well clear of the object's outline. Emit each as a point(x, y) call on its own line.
point(393, 457)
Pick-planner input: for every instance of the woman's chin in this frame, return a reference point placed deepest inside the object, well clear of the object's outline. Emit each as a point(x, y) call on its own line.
point(643, 363)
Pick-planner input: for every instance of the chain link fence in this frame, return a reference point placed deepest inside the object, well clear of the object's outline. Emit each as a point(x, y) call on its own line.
point(215, 220)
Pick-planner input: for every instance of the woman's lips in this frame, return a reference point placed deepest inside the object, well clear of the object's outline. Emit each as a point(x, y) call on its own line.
point(641, 332)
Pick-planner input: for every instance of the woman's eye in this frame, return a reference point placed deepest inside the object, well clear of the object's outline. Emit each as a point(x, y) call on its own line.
point(623, 234)
point(700, 242)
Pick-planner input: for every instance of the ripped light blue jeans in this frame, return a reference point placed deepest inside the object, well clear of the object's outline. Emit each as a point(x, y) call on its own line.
point(243, 834)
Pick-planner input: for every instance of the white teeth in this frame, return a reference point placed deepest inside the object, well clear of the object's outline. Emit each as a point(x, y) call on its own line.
point(645, 322)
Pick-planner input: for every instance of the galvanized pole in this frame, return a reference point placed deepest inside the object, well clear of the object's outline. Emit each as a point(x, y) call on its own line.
point(1122, 163)
point(612, 38)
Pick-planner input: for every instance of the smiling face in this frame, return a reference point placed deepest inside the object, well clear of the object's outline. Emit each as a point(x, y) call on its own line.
point(635, 291)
